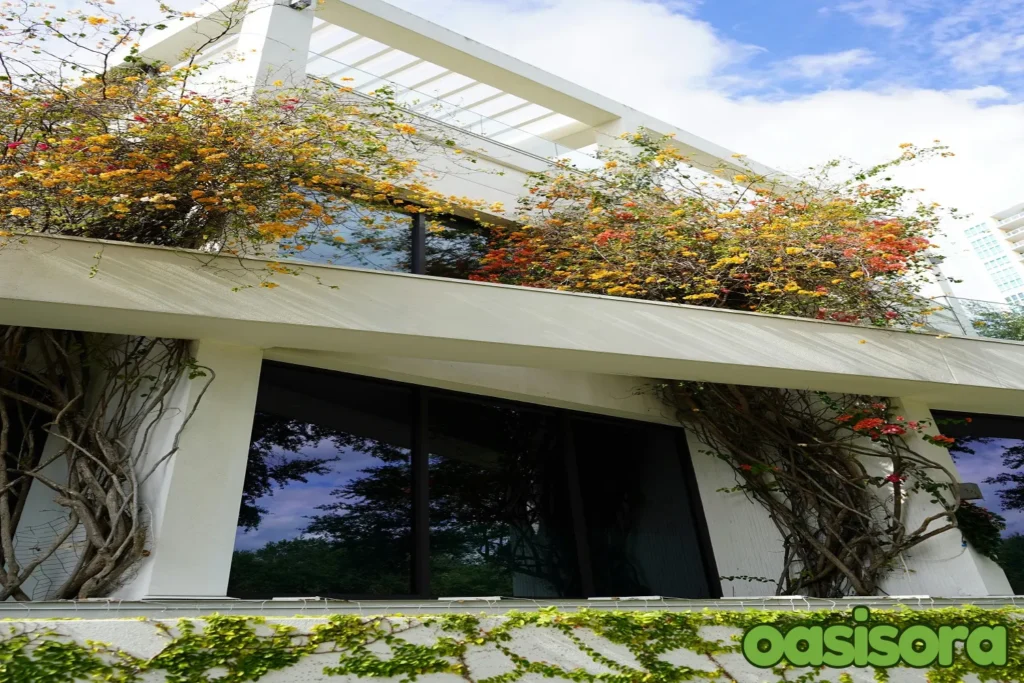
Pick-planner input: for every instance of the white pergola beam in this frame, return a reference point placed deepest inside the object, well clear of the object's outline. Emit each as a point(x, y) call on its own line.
point(436, 44)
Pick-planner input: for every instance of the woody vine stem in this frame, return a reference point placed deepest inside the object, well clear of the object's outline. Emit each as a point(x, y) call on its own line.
point(79, 415)
point(836, 475)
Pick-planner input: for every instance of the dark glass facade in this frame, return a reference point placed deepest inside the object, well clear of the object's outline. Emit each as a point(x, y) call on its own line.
point(381, 239)
point(363, 488)
point(990, 453)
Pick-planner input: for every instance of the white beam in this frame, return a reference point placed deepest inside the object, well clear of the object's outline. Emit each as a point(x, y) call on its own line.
point(200, 486)
point(213, 19)
point(433, 43)
point(277, 37)
point(45, 282)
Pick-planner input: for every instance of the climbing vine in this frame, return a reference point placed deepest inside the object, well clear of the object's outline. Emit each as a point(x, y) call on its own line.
point(237, 649)
point(835, 474)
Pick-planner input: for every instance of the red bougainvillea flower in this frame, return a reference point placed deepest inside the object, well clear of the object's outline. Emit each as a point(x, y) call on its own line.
point(745, 467)
point(913, 424)
point(140, 118)
point(845, 417)
point(868, 423)
point(15, 145)
point(895, 478)
point(943, 439)
point(893, 430)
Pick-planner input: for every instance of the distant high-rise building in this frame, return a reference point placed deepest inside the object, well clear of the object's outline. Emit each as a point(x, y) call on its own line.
point(998, 243)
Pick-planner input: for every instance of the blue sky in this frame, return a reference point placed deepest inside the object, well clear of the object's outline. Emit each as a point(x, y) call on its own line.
point(938, 44)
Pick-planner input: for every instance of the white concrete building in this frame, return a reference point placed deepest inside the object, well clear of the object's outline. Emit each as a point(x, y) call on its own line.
point(381, 356)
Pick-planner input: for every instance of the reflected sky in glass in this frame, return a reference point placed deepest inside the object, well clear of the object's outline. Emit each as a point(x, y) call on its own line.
point(985, 462)
point(289, 507)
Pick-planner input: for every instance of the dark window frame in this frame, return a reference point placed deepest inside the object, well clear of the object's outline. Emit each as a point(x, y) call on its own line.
point(420, 453)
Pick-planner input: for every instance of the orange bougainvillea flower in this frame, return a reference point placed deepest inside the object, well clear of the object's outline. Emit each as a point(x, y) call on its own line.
point(645, 215)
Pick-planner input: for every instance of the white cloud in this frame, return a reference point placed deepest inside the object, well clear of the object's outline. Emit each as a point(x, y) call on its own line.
point(875, 13)
point(825, 65)
point(671, 65)
point(986, 52)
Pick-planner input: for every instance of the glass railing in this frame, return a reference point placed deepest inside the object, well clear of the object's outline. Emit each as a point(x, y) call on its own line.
point(1014, 232)
point(975, 318)
point(420, 104)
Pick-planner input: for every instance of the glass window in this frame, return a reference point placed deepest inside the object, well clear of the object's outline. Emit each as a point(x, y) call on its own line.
point(381, 239)
point(500, 522)
point(327, 504)
point(361, 237)
point(640, 531)
point(523, 501)
point(454, 247)
point(990, 453)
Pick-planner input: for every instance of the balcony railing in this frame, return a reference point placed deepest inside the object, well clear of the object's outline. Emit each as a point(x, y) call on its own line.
point(970, 317)
point(515, 136)
point(1018, 231)
point(1010, 219)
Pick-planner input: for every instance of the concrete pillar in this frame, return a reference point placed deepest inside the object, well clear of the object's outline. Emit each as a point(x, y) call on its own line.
point(744, 539)
point(941, 566)
point(193, 498)
point(274, 42)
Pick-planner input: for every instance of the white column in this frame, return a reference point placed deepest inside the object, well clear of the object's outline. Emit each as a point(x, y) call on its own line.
point(941, 566)
point(274, 42)
point(744, 539)
point(193, 499)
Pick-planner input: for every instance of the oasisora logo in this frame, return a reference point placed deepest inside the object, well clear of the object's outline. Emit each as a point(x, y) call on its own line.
point(864, 643)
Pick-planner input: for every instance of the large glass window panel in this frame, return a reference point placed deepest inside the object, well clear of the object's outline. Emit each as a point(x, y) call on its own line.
point(989, 452)
point(360, 237)
point(640, 530)
point(500, 522)
point(327, 506)
point(454, 247)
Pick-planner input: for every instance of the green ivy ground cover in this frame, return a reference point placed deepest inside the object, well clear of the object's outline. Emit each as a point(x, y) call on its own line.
point(235, 649)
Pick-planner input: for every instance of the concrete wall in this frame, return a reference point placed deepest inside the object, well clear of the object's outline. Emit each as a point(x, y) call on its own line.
point(561, 652)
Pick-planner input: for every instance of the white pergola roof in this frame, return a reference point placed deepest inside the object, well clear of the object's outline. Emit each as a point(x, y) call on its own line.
point(367, 44)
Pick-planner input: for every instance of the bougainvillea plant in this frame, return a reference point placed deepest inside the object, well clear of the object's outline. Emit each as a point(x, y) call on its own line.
point(649, 226)
point(836, 474)
point(169, 155)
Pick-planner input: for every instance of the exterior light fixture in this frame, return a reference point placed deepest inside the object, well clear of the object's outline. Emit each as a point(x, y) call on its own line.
point(299, 4)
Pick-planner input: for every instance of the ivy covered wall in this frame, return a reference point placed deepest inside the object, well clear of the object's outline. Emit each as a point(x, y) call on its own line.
point(583, 647)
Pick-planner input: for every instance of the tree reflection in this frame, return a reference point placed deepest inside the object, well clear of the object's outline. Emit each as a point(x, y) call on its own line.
point(491, 517)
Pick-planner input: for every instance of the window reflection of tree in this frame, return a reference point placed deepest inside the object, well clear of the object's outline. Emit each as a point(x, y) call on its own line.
point(498, 503)
point(518, 496)
point(381, 239)
point(979, 438)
